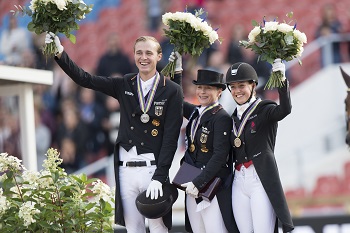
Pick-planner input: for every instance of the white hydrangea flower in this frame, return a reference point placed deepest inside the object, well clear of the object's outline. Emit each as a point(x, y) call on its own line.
point(47, 181)
point(283, 27)
point(102, 190)
point(253, 34)
point(270, 26)
point(10, 163)
point(30, 176)
point(4, 203)
point(27, 211)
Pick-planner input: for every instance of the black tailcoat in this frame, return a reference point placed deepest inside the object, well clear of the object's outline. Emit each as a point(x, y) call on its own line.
point(158, 136)
point(212, 143)
point(258, 142)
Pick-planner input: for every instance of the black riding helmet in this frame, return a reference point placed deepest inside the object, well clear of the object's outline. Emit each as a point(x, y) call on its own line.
point(241, 72)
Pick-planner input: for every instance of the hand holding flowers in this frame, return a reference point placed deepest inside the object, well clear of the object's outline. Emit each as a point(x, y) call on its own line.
point(274, 40)
point(189, 34)
point(57, 16)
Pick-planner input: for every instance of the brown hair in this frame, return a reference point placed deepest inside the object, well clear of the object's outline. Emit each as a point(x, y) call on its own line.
point(146, 38)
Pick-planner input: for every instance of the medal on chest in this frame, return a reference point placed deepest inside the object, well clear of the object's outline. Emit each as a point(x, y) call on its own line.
point(145, 105)
point(195, 123)
point(237, 142)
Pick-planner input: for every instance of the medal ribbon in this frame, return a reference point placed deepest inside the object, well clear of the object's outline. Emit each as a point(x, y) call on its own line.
point(251, 109)
point(146, 105)
point(195, 122)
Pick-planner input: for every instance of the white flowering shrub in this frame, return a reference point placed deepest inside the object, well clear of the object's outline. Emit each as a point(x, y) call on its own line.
point(51, 200)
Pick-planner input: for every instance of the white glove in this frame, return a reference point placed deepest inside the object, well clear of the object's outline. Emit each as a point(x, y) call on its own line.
point(51, 37)
point(191, 189)
point(279, 66)
point(178, 63)
point(154, 188)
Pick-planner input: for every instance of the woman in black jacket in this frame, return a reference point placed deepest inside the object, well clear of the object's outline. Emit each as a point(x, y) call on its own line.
point(207, 148)
point(257, 196)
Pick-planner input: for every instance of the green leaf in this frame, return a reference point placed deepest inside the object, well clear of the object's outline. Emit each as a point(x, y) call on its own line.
point(72, 38)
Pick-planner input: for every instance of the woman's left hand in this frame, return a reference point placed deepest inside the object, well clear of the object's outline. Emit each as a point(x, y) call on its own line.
point(191, 189)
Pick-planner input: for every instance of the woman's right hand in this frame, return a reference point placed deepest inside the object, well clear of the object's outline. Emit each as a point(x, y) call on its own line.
point(176, 56)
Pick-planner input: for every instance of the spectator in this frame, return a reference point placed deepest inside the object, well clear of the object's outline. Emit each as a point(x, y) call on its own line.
point(235, 52)
point(114, 61)
point(329, 25)
point(110, 123)
point(13, 42)
point(72, 127)
point(91, 113)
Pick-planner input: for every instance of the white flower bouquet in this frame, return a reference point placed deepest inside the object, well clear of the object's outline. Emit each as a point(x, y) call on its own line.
point(51, 200)
point(274, 40)
point(189, 34)
point(57, 16)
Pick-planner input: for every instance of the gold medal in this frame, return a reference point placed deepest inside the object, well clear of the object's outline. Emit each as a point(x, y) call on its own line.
point(156, 122)
point(154, 132)
point(192, 147)
point(237, 142)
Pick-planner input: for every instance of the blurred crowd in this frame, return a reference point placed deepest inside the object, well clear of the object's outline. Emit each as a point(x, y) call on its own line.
point(83, 125)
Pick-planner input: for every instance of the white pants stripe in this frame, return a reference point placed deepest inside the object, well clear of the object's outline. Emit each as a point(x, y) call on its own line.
point(133, 181)
point(250, 204)
point(207, 220)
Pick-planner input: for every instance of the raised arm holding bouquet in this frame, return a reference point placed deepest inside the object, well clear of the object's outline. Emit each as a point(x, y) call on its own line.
point(189, 34)
point(274, 40)
point(57, 16)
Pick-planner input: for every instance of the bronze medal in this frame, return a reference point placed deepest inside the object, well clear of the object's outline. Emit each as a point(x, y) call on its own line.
point(156, 122)
point(237, 142)
point(154, 132)
point(192, 147)
point(144, 118)
point(204, 150)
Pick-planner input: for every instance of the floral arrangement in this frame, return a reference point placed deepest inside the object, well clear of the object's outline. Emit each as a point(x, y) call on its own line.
point(189, 34)
point(274, 40)
point(57, 16)
point(51, 200)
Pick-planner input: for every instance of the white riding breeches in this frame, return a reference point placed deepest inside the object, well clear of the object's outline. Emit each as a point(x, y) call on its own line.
point(206, 220)
point(133, 181)
point(251, 206)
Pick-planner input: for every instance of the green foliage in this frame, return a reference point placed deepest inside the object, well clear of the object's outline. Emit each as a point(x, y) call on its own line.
point(53, 201)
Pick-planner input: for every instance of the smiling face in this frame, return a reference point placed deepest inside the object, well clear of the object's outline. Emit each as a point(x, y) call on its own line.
point(207, 95)
point(147, 53)
point(241, 91)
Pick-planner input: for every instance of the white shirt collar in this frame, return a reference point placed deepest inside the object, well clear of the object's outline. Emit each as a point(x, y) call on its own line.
point(147, 85)
point(241, 108)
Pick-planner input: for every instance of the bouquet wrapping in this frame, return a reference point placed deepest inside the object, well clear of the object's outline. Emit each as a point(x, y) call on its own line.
point(189, 33)
point(273, 40)
point(57, 16)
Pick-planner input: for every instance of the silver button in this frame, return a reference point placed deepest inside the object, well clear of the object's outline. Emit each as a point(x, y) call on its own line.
point(245, 157)
point(130, 141)
point(142, 143)
point(145, 131)
point(133, 115)
point(132, 127)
